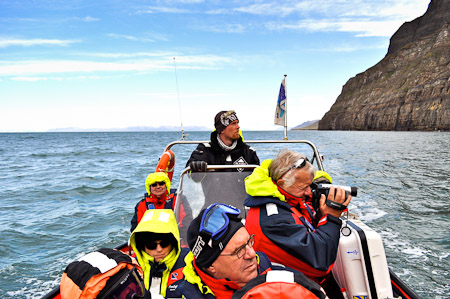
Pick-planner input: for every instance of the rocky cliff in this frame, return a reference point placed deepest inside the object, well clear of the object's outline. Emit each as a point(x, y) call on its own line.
point(409, 89)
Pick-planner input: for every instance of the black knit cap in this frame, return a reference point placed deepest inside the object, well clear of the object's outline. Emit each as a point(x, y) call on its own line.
point(223, 120)
point(205, 250)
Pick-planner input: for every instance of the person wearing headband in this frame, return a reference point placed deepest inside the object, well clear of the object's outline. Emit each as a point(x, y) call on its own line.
point(156, 243)
point(104, 273)
point(222, 259)
point(226, 146)
point(281, 216)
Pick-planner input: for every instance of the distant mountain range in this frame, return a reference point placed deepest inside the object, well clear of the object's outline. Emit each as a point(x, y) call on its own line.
point(308, 125)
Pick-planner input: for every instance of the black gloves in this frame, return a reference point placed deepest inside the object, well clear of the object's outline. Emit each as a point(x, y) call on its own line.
point(198, 166)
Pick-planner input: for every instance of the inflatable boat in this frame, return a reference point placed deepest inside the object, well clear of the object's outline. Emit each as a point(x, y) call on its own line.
point(361, 269)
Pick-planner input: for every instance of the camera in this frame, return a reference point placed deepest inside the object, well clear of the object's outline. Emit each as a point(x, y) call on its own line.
point(318, 189)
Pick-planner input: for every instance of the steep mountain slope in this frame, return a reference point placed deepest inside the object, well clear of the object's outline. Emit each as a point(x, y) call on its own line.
point(409, 89)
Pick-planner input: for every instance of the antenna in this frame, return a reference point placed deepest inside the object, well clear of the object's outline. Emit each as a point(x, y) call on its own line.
point(179, 104)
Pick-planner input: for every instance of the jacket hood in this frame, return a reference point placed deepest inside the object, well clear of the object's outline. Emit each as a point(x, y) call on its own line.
point(259, 183)
point(161, 221)
point(157, 177)
point(157, 221)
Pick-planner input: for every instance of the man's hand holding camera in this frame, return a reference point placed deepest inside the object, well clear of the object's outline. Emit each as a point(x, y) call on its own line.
point(337, 198)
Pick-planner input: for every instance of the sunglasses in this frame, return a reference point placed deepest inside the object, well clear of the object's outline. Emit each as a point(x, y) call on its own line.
point(298, 164)
point(152, 245)
point(158, 184)
point(215, 219)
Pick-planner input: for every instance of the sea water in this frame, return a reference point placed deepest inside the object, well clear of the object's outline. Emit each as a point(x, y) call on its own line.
point(63, 195)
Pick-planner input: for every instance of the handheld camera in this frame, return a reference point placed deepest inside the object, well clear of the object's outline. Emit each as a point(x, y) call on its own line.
point(318, 189)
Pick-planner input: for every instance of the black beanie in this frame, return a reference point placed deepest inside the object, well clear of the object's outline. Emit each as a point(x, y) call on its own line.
point(205, 250)
point(223, 119)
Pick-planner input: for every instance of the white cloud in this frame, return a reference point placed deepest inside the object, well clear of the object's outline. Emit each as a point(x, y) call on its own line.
point(229, 28)
point(362, 27)
point(32, 68)
point(29, 79)
point(35, 42)
point(130, 37)
point(365, 18)
point(267, 9)
point(133, 55)
point(163, 9)
point(88, 19)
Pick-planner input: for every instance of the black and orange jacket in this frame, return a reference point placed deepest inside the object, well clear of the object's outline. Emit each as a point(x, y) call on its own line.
point(86, 277)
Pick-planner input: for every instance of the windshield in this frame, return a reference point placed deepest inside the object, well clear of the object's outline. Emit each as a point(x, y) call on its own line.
point(200, 189)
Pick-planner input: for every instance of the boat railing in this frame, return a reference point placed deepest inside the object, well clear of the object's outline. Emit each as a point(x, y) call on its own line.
point(317, 158)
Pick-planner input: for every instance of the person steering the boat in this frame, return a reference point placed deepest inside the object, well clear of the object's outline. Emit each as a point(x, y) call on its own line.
point(226, 147)
point(156, 243)
point(158, 196)
point(283, 221)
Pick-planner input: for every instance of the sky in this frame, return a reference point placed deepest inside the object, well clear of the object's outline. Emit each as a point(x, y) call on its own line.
point(117, 64)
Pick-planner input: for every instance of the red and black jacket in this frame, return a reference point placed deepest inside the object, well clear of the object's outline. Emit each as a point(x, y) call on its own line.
point(148, 203)
point(289, 238)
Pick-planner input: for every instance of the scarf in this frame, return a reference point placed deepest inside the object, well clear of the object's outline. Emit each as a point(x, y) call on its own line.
point(224, 146)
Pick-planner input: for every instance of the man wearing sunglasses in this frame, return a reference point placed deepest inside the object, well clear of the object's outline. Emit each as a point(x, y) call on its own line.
point(156, 243)
point(281, 216)
point(103, 274)
point(158, 196)
point(226, 146)
point(222, 259)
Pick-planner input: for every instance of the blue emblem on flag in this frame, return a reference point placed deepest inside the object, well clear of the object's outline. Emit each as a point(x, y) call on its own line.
point(280, 111)
point(282, 100)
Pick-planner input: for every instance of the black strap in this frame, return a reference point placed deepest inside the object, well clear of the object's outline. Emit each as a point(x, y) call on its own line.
point(367, 262)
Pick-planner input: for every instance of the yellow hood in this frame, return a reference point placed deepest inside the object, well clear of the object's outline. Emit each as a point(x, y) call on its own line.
point(160, 221)
point(259, 183)
point(157, 177)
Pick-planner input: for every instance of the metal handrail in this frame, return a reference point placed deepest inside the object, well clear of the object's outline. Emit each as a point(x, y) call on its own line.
point(317, 156)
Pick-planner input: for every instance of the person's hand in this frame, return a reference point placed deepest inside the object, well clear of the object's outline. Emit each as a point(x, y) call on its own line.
point(198, 166)
point(339, 198)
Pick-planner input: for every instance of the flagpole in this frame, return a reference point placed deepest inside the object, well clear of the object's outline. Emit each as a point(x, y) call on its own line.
point(285, 106)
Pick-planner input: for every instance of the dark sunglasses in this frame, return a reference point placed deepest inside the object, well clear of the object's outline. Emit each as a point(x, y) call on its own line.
point(152, 245)
point(158, 184)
